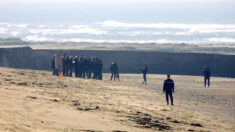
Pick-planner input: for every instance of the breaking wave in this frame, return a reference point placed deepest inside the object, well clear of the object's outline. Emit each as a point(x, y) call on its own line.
point(191, 27)
point(121, 32)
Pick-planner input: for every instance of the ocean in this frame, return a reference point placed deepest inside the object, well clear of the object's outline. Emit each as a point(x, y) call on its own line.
point(175, 23)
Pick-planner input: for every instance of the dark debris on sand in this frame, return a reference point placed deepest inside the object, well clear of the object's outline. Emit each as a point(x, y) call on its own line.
point(87, 108)
point(23, 84)
point(147, 121)
point(196, 124)
point(31, 97)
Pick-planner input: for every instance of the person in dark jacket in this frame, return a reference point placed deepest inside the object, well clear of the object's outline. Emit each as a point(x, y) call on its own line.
point(207, 75)
point(145, 71)
point(70, 66)
point(76, 63)
point(89, 68)
point(168, 89)
point(80, 66)
point(96, 68)
point(66, 65)
point(84, 72)
point(53, 65)
point(63, 64)
point(100, 69)
point(114, 71)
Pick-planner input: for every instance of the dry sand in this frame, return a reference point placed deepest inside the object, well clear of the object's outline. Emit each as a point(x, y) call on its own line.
point(37, 101)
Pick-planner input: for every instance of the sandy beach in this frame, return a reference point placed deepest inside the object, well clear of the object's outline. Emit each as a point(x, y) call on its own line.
point(37, 101)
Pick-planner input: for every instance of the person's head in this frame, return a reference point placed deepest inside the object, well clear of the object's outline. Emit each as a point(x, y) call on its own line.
point(168, 76)
point(206, 66)
point(70, 57)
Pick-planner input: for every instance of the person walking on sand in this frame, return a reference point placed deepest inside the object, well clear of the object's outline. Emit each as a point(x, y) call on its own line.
point(145, 71)
point(114, 71)
point(168, 89)
point(57, 65)
point(207, 75)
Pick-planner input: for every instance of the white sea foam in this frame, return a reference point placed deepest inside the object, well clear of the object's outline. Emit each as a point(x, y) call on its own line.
point(2, 30)
point(15, 33)
point(121, 32)
point(21, 25)
point(158, 41)
point(222, 40)
point(69, 30)
point(190, 27)
point(10, 25)
point(35, 38)
point(42, 26)
point(135, 33)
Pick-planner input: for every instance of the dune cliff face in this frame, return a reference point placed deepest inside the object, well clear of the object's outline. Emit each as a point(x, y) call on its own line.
point(128, 61)
point(18, 58)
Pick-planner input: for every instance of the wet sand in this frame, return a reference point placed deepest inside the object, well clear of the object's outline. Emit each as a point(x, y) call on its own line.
point(37, 101)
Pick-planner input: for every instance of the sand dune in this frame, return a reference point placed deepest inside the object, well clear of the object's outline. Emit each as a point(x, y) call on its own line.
point(37, 101)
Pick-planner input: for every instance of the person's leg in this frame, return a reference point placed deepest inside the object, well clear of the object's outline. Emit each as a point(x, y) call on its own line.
point(66, 71)
point(145, 79)
point(76, 73)
point(70, 71)
point(167, 102)
point(56, 72)
point(118, 75)
point(205, 81)
point(115, 75)
point(79, 74)
point(89, 74)
point(111, 76)
point(84, 74)
point(53, 71)
point(208, 82)
point(172, 103)
point(101, 76)
point(63, 70)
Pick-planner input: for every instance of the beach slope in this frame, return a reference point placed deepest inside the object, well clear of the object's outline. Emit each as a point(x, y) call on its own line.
point(37, 101)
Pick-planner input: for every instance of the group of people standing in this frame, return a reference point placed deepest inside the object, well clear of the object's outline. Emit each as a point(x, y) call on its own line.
point(92, 68)
point(83, 67)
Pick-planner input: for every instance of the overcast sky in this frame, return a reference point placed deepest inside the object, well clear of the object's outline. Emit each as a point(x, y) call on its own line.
point(190, 11)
